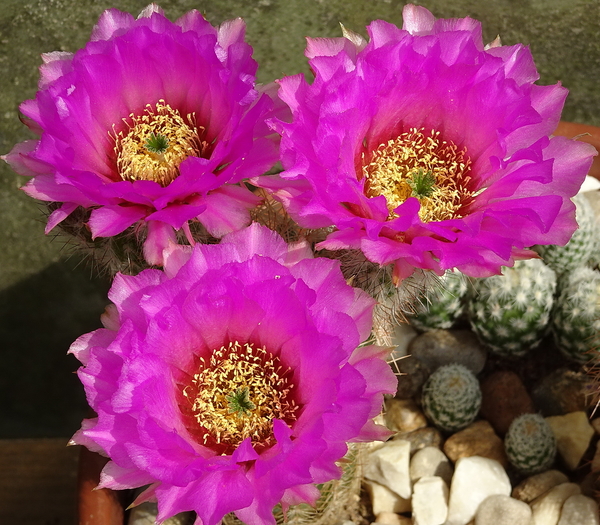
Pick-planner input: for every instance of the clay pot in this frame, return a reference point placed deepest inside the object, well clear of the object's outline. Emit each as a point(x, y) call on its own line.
point(585, 133)
point(96, 507)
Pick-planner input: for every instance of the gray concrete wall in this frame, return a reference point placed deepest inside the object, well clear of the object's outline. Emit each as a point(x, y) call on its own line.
point(47, 300)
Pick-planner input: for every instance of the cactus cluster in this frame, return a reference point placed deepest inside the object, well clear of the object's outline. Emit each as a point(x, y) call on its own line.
point(576, 316)
point(530, 444)
point(442, 304)
point(510, 312)
point(451, 397)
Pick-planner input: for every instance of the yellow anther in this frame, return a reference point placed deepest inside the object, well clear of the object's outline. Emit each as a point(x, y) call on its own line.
point(238, 392)
point(414, 159)
point(156, 143)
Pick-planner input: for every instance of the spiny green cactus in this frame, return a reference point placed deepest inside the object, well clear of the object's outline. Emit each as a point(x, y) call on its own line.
point(451, 397)
point(394, 299)
point(510, 312)
point(441, 305)
point(582, 248)
point(576, 317)
point(530, 444)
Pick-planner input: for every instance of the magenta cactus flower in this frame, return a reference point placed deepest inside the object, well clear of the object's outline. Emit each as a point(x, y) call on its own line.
point(232, 380)
point(153, 123)
point(423, 148)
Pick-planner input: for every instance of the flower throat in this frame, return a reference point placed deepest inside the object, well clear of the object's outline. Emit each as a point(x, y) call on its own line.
point(421, 165)
point(156, 143)
point(237, 393)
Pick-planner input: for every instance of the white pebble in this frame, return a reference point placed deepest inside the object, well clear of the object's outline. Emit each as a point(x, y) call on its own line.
point(430, 501)
point(384, 500)
point(546, 509)
point(475, 479)
point(430, 461)
point(502, 510)
point(389, 466)
point(579, 510)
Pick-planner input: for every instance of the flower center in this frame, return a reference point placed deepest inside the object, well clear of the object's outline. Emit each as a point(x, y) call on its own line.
point(156, 143)
point(421, 165)
point(237, 394)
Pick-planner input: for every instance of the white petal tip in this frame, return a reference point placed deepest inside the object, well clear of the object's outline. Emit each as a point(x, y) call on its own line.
point(149, 10)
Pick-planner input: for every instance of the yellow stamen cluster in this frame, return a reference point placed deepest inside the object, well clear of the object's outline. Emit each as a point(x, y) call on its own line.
point(395, 168)
point(238, 393)
point(181, 138)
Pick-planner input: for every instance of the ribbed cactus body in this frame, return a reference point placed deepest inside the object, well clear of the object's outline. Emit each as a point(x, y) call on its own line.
point(584, 245)
point(441, 304)
point(530, 444)
point(576, 316)
point(510, 312)
point(451, 397)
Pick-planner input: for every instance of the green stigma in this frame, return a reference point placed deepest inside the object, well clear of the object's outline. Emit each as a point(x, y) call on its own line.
point(239, 401)
point(157, 143)
point(422, 184)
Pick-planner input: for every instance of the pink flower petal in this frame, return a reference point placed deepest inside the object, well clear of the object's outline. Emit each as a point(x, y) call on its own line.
point(110, 220)
point(417, 19)
point(59, 215)
point(227, 209)
point(111, 22)
point(160, 237)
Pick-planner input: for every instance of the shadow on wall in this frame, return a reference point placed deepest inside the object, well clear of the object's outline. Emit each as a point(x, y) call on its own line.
point(40, 395)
